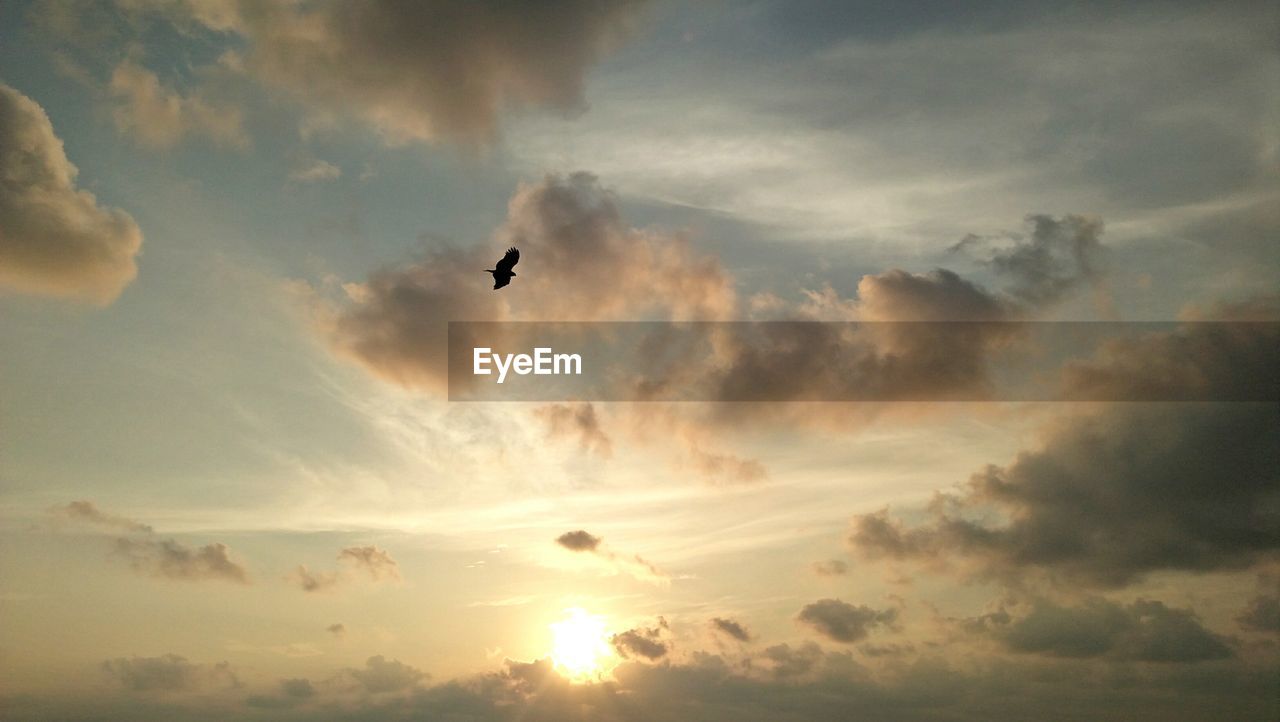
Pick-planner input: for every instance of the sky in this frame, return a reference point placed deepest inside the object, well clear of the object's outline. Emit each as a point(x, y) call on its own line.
point(233, 486)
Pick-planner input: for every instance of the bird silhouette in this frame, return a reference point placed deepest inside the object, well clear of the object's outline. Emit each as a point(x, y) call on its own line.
point(503, 274)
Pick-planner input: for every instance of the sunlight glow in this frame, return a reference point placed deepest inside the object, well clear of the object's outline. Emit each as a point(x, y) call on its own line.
point(580, 644)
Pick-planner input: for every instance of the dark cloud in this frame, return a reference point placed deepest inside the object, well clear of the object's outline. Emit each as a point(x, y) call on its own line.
point(169, 559)
point(1262, 614)
point(54, 238)
point(830, 568)
point(786, 662)
point(731, 628)
point(577, 421)
point(377, 562)
point(1121, 490)
point(337, 629)
point(643, 642)
point(298, 688)
point(637, 566)
point(168, 673)
point(1144, 631)
point(1059, 255)
point(578, 541)
point(1230, 360)
point(843, 622)
point(781, 682)
point(88, 512)
point(870, 361)
point(380, 675)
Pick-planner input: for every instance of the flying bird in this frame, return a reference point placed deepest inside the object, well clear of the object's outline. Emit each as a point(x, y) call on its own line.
point(503, 274)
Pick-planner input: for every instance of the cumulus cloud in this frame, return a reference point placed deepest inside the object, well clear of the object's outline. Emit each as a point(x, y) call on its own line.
point(1121, 490)
point(643, 642)
point(786, 662)
point(420, 71)
point(576, 421)
point(299, 688)
point(579, 540)
point(844, 622)
point(1058, 255)
point(168, 673)
point(160, 117)
point(799, 682)
point(1145, 631)
point(55, 239)
point(169, 559)
point(731, 628)
point(571, 235)
point(380, 675)
point(88, 512)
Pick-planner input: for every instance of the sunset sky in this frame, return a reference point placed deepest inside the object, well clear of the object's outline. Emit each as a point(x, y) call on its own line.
point(232, 484)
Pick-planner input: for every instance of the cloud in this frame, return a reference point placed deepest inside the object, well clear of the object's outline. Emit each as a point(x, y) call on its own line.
point(298, 688)
point(830, 568)
point(160, 117)
point(310, 581)
point(785, 662)
point(1060, 254)
point(578, 541)
point(168, 673)
point(315, 171)
point(421, 71)
point(571, 235)
point(641, 642)
point(162, 558)
point(377, 562)
point(169, 559)
point(576, 421)
point(731, 628)
point(380, 675)
point(1144, 631)
point(793, 682)
point(1262, 614)
point(1121, 490)
point(54, 238)
point(337, 629)
point(843, 622)
point(583, 542)
point(292, 692)
point(88, 512)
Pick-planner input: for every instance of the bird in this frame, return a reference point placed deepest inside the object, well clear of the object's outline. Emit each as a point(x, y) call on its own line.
point(503, 274)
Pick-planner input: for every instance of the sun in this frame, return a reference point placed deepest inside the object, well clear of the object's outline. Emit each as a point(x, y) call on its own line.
point(580, 645)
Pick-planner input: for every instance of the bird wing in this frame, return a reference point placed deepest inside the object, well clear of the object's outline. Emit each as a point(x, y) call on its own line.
point(508, 261)
point(500, 281)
